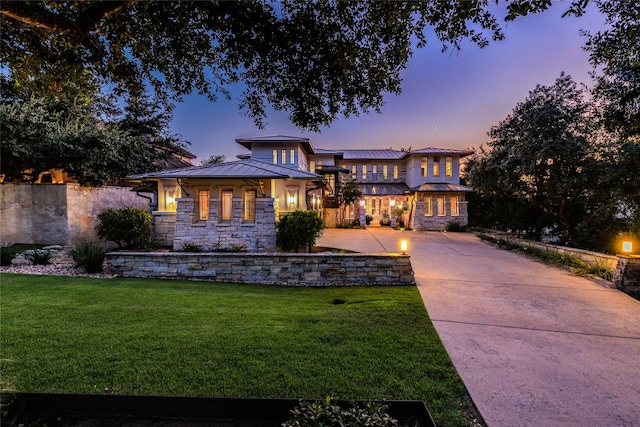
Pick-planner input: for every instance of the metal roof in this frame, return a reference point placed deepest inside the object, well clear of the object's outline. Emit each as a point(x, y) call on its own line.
point(440, 187)
point(379, 189)
point(443, 151)
point(305, 142)
point(372, 154)
point(246, 168)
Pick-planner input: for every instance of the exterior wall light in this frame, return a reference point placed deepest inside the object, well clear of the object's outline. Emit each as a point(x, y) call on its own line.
point(170, 200)
point(404, 246)
point(627, 247)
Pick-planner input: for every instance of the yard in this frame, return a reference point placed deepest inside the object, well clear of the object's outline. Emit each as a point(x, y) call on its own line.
point(176, 338)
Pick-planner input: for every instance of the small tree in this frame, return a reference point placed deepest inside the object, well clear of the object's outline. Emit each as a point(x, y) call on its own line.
point(126, 227)
point(298, 230)
point(349, 193)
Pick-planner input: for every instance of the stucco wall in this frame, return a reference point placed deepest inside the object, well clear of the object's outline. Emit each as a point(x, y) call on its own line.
point(277, 269)
point(62, 214)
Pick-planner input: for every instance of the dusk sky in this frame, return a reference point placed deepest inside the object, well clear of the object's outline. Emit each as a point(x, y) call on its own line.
point(448, 100)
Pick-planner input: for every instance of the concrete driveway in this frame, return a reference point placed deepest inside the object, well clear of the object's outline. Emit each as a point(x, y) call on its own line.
point(535, 345)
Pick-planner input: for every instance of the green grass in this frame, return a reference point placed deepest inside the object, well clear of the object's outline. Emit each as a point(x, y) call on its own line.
point(151, 337)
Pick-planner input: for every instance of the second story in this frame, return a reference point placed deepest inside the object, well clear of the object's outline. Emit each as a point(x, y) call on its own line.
point(411, 167)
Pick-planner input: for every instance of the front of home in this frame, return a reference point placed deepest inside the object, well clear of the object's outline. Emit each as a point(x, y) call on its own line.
point(235, 205)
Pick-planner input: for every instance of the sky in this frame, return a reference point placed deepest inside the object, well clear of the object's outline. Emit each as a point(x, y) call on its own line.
point(448, 100)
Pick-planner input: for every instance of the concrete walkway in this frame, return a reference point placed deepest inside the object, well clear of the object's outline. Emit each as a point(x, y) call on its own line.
point(535, 345)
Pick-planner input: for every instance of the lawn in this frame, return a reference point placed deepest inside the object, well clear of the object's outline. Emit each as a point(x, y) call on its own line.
point(178, 338)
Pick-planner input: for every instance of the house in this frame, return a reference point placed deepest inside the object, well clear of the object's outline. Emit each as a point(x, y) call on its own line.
point(236, 204)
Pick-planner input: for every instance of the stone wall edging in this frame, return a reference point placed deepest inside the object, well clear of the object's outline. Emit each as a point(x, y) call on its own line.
point(288, 269)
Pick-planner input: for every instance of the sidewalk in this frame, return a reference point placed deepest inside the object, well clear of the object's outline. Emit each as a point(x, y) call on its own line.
point(534, 344)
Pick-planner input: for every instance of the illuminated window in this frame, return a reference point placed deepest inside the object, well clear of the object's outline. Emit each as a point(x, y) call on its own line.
point(436, 166)
point(274, 156)
point(423, 166)
point(203, 205)
point(428, 206)
point(312, 166)
point(226, 201)
point(292, 198)
point(454, 206)
point(283, 160)
point(364, 172)
point(395, 171)
point(385, 171)
point(249, 205)
point(374, 172)
point(354, 172)
point(320, 164)
point(448, 166)
point(440, 201)
point(292, 156)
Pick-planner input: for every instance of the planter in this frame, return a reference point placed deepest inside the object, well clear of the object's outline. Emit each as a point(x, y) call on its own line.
point(39, 409)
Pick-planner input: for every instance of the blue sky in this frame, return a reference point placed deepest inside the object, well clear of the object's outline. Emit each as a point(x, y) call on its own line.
point(448, 99)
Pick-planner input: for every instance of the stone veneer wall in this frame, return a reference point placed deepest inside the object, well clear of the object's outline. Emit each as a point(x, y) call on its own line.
point(626, 276)
point(258, 235)
point(164, 224)
point(438, 223)
point(292, 269)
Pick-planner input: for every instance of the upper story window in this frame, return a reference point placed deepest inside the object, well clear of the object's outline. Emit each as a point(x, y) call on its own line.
point(385, 171)
point(283, 160)
point(423, 167)
point(292, 156)
point(395, 171)
point(354, 172)
point(448, 166)
point(374, 172)
point(312, 166)
point(364, 172)
point(203, 205)
point(436, 166)
point(226, 207)
point(274, 156)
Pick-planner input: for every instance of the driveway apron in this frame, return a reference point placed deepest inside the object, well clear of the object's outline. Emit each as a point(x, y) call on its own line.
point(534, 344)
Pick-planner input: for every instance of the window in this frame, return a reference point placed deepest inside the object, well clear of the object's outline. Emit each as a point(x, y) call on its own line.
point(423, 166)
point(436, 166)
point(428, 206)
point(374, 172)
point(292, 156)
point(395, 171)
point(441, 211)
point(364, 172)
point(448, 166)
point(203, 205)
point(385, 171)
point(454, 206)
point(249, 205)
point(226, 201)
point(274, 155)
point(354, 172)
point(312, 166)
point(320, 164)
point(283, 160)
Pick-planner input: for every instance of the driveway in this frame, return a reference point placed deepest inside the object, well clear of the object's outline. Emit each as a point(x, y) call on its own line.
point(535, 345)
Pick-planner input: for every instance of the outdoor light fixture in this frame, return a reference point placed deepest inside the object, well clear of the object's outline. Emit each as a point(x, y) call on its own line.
point(403, 246)
point(169, 200)
point(392, 203)
point(627, 247)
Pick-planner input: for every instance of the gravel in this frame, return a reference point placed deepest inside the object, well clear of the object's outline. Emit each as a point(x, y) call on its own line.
point(60, 264)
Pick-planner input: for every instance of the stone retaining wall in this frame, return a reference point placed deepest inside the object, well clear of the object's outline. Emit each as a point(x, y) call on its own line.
point(291, 269)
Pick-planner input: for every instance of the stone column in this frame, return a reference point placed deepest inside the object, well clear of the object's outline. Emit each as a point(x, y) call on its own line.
point(626, 276)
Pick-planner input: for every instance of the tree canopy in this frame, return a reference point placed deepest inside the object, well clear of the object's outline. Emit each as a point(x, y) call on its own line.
point(316, 60)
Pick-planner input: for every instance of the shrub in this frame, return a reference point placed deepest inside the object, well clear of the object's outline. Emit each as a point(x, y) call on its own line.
point(298, 230)
point(191, 247)
point(312, 414)
point(454, 227)
point(38, 257)
point(126, 227)
point(90, 255)
point(7, 254)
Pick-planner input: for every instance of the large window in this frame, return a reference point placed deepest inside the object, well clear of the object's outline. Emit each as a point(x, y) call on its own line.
point(428, 206)
point(395, 171)
point(441, 211)
point(454, 206)
point(436, 166)
point(364, 172)
point(274, 155)
point(423, 166)
point(448, 166)
point(249, 205)
point(312, 166)
point(203, 205)
point(385, 171)
point(226, 205)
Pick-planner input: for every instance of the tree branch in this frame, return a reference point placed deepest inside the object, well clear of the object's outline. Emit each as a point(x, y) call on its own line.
point(98, 11)
point(37, 16)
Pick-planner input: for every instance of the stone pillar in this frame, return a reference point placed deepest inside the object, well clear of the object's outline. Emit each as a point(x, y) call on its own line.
point(626, 276)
